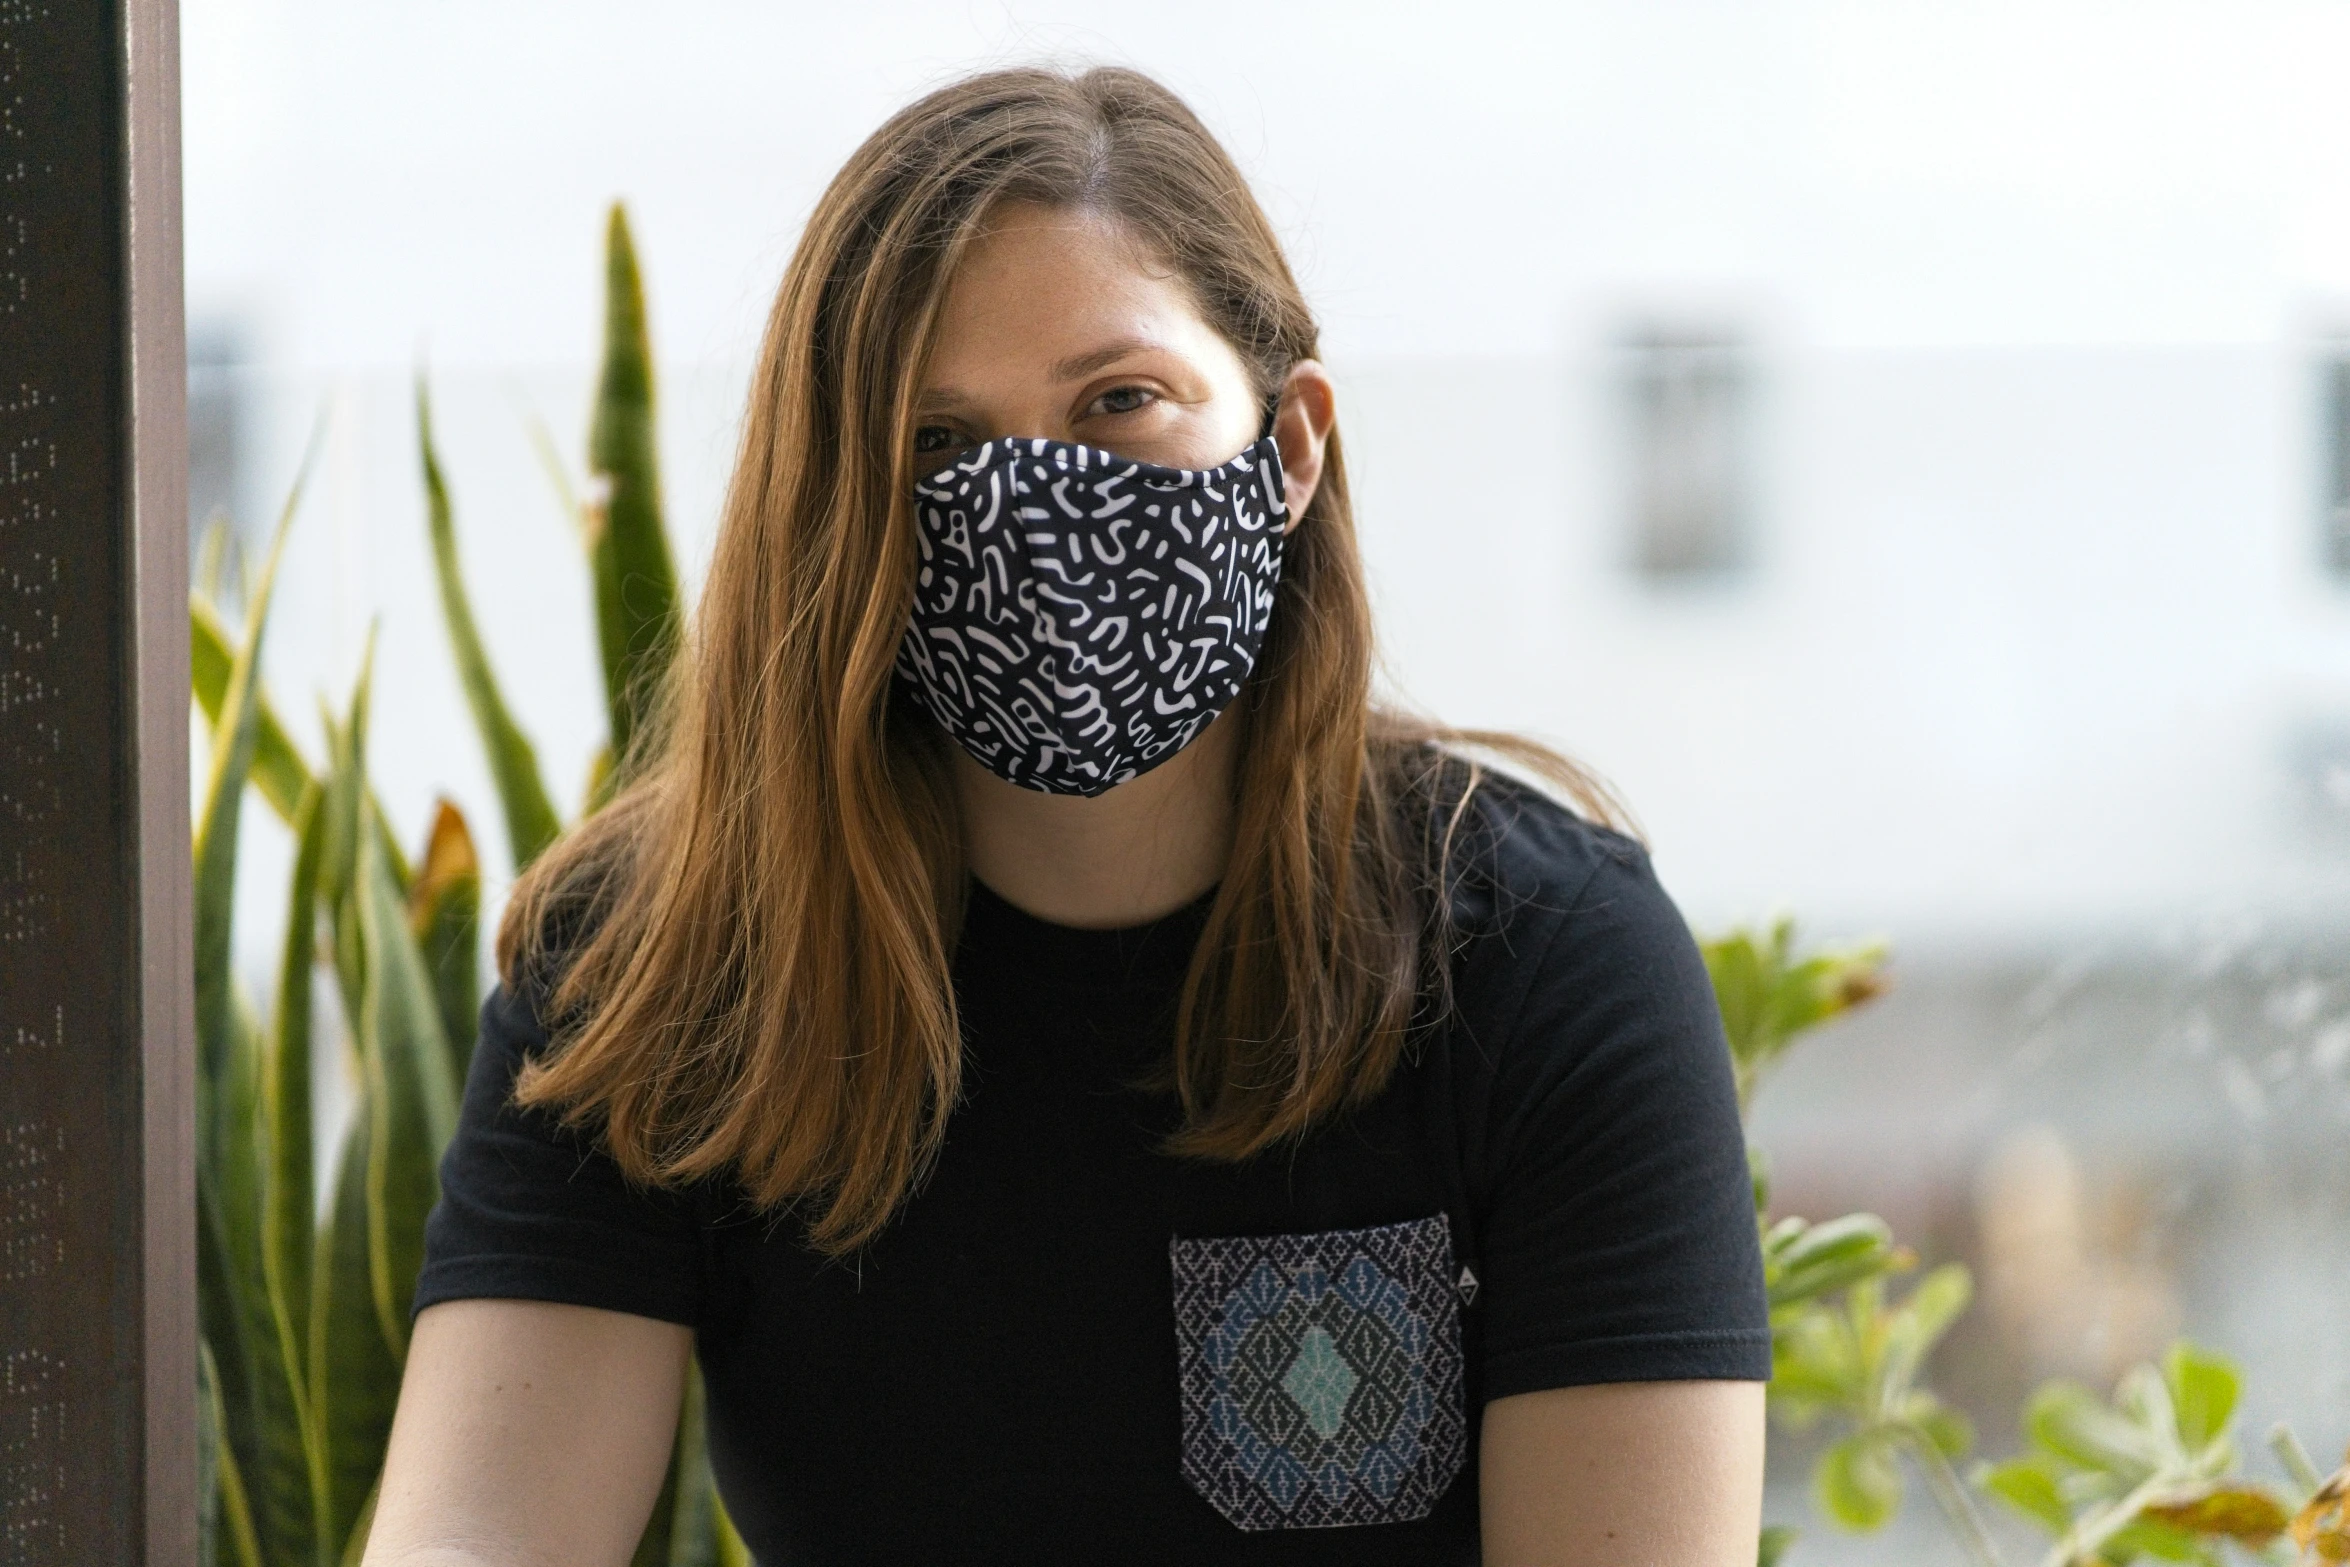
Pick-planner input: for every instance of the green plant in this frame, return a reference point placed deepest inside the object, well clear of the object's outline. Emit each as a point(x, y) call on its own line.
point(1844, 1352)
point(1770, 994)
point(305, 1324)
point(2150, 1476)
point(1857, 1361)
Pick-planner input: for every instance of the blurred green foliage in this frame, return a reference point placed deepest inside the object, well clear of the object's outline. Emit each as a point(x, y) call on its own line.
point(1770, 994)
point(2149, 1476)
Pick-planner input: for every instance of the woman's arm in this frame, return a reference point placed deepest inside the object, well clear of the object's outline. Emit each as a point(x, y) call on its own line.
point(528, 1435)
point(1624, 1474)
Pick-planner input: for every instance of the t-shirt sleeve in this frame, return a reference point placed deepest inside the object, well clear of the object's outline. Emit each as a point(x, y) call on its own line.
point(532, 1211)
point(1619, 1236)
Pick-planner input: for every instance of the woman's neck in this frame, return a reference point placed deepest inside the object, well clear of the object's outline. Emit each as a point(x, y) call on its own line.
point(1144, 849)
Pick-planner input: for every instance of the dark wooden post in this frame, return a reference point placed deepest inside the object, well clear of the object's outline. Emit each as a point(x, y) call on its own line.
point(97, 1211)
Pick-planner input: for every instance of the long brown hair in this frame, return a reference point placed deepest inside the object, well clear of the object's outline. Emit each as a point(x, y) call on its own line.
point(748, 949)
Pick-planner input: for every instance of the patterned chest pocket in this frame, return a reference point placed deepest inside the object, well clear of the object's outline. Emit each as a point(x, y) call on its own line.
point(1321, 1374)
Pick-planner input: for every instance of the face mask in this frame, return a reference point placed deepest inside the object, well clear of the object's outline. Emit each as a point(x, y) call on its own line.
point(1079, 618)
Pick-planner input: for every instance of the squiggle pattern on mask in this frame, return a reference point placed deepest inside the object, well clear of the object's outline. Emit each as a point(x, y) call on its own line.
point(1079, 618)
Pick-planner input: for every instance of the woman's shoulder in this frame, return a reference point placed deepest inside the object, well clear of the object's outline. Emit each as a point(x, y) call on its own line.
point(1564, 943)
point(1523, 855)
point(1591, 1095)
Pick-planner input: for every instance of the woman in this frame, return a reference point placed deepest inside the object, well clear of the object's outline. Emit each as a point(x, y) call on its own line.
point(1086, 1085)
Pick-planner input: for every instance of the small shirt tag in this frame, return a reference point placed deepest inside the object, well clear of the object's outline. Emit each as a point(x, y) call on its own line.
point(1467, 1285)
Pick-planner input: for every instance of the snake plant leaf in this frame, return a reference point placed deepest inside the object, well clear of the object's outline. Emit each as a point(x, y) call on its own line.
point(411, 1094)
point(224, 1509)
point(278, 768)
point(638, 622)
point(207, 1455)
point(732, 1552)
point(217, 1319)
point(354, 1373)
point(266, 751)
point(542, 445)
point(357, 1549)
point(689, 1526)
point(210, 570)
point(259, 1416)
point(352, 814)
point(287, 1219)
point(208, 1423)
point(1857, 1482)
point(531, 823)
point(288, 1206)
point(599, 779)
point(354, 808)
point(233, 738)
point(653, 1546)
point(387, 843)
point(444, 913)
point(693, 1509)
point(344, 827)
point(701, 1535)
point(265, 1426)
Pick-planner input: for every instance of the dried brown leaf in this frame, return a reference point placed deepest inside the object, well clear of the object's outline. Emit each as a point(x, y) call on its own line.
point(2233, 1508)
point(2322, 1528)
point(449, 858)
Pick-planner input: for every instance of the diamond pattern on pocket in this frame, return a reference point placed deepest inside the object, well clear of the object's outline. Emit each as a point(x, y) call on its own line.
point(1321, 1374)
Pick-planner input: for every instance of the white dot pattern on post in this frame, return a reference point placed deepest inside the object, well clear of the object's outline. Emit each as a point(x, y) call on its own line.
point(1078, 618)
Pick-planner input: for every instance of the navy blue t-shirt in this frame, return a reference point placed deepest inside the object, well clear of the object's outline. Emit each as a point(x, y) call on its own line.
point(1070, 1345)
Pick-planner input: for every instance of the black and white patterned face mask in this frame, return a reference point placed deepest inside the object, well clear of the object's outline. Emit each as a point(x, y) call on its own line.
point(1078, 617)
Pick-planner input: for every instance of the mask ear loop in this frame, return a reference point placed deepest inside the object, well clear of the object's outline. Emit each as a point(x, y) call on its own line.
point(1272, 411)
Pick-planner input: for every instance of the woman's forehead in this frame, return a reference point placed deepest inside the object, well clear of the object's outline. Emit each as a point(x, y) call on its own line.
point(1063, 294)
point(1029, 261)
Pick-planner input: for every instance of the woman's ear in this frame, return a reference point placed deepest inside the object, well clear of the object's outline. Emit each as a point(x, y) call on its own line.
point(1301, 428)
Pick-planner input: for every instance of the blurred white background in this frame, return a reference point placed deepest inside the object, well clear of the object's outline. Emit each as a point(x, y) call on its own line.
point(1906, 447)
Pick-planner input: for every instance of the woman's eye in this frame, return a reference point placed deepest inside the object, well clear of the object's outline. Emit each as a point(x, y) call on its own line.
point(934, 438)
point(1121, 400)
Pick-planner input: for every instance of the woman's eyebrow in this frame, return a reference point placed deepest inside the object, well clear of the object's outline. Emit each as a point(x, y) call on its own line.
point(943, 399)
point(1085, 364)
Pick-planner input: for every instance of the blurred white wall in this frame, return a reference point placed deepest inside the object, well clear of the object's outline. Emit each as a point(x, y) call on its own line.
point(2034, 644)
point(1455, 180)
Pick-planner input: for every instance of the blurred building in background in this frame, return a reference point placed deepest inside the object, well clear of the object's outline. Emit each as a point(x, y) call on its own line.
point(1906, 448)
point(219, 432)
